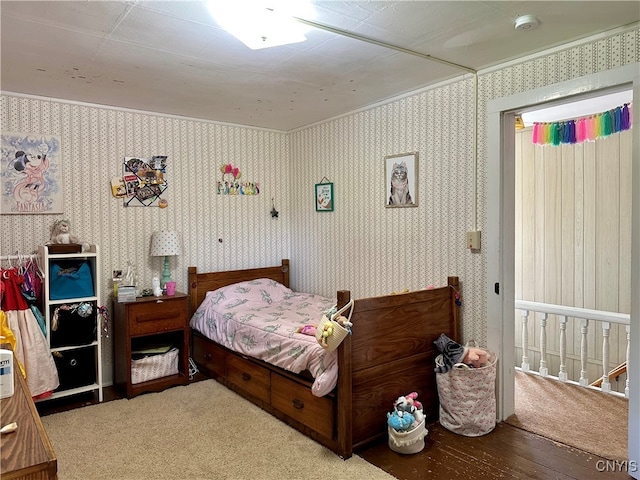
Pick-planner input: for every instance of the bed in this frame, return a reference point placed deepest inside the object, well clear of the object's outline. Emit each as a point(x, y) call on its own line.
point(390, 353)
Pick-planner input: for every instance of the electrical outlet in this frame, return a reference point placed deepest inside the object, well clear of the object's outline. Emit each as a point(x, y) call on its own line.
point(473, 240)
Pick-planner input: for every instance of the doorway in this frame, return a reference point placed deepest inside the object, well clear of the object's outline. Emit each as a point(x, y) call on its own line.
point(500, 243)
point(572, 235)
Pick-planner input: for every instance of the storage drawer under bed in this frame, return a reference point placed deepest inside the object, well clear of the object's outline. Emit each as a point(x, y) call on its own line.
point(209, 355)
point(299, 403)
point(249, 377)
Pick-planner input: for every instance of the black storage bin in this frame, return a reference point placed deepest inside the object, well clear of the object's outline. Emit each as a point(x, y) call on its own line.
point(73, 324)
point(76, 368)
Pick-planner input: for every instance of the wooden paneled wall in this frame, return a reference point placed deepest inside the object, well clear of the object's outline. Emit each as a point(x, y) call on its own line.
point(573, 242)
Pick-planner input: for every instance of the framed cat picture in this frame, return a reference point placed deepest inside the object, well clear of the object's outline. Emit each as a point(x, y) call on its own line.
point(401, 176)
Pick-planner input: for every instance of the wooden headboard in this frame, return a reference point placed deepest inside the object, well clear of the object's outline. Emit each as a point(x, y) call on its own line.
point(201, 283)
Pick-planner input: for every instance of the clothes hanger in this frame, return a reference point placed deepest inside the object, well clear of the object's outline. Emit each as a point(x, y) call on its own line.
point(39, 270)
point(21, 264)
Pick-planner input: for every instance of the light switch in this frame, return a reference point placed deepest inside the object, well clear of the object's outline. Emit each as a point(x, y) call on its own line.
point(473, 240)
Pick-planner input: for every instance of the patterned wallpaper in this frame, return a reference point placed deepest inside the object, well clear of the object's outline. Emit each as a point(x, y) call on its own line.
point(361, 246)
point(219, 232)
point(373, 250)
point(364, 246)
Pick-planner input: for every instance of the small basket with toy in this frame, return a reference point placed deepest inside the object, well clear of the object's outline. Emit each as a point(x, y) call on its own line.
point(406, 425)
point(334, 327)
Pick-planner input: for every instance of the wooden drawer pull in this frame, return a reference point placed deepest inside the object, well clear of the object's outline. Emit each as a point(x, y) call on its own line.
point(299, 404)
point(208, 356)
point(246, 377)
point(158, 316)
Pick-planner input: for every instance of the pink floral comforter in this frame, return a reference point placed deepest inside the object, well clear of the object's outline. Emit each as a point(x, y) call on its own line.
point(259, 319)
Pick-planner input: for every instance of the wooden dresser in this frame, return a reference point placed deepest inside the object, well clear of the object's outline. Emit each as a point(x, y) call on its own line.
point(27, 453)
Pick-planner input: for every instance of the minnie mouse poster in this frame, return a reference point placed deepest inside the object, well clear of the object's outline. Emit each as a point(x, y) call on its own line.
point(30, 174)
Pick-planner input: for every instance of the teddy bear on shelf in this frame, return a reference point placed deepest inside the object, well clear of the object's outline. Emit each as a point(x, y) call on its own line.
point(61, 233)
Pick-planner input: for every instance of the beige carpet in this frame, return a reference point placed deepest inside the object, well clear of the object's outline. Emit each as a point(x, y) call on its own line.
point(583, 418)
point(199, 431)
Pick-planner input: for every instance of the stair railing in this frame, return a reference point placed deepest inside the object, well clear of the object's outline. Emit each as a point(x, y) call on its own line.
point(584, 315)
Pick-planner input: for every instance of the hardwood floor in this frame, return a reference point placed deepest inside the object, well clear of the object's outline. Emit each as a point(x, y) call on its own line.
point(506, 453)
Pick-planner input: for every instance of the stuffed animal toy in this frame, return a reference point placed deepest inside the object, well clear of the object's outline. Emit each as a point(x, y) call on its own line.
point(453, 352)
point(400, 421)
point(61, 233)
point(411, 397)
point(476, 357)
point(409, 404)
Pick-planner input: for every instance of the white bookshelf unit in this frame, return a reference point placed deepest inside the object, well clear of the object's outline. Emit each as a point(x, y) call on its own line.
point(79, 363)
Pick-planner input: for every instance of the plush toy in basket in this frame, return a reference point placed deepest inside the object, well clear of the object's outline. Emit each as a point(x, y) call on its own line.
point(406, 425)
point(334, 327)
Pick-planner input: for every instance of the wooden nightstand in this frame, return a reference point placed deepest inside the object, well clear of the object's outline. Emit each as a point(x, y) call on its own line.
point(145, 322)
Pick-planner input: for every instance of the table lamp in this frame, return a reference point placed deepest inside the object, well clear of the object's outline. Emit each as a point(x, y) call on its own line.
point(165, 244)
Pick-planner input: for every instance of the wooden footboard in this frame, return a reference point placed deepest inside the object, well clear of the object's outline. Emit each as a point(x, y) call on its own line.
point(390, 353)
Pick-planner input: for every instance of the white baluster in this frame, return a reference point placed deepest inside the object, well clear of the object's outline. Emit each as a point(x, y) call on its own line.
point(543, 370)
point(584, 329)
point(562, 375)
point(525, 342)
point(626, 383)
point(606, 381)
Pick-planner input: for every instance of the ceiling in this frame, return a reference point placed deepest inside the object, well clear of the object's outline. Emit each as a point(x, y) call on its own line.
point(171, 57)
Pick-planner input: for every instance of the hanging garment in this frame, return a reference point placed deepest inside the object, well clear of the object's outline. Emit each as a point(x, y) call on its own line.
point(31, 301)
point(10, 338)
point(32, 285)
point(32, 349)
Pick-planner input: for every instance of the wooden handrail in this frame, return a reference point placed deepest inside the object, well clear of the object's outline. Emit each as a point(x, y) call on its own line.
point(613, 374)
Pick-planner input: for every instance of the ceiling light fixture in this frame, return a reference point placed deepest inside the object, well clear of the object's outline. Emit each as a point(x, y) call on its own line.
point(527, 22)
point(261, 23)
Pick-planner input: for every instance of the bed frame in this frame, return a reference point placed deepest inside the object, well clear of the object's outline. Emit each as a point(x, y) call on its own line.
point(390, 353)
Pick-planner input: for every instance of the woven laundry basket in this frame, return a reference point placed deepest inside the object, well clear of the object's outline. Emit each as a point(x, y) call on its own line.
point(408, 442)
point(154, 366)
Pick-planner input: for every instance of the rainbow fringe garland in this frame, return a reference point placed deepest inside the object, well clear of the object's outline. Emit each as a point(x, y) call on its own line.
point(585, 128)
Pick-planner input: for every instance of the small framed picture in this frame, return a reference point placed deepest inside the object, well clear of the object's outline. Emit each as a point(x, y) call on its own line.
point(324, 197)
point(401, 176)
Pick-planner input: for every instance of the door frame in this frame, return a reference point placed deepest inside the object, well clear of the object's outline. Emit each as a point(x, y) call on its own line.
point(500, 234)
